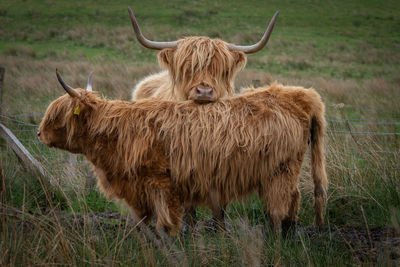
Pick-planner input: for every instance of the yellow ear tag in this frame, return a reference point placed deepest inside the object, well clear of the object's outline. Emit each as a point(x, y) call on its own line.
point(77, 110)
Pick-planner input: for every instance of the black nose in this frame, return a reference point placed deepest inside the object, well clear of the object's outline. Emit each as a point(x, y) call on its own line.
point(38, 133)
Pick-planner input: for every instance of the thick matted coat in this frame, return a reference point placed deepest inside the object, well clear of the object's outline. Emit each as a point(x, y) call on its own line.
point(162, 156)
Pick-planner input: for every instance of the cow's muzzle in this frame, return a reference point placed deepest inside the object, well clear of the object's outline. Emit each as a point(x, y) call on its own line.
point(204, 94)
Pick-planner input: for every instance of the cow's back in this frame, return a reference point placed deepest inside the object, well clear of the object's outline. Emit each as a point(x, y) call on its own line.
point(235, 143)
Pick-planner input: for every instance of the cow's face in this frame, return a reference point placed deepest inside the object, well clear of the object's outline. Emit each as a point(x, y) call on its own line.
point(202, 69)
point(53, 129)
point(65, 119)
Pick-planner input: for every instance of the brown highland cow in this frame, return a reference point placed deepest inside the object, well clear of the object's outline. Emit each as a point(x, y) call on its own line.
point(197, 68)
point(162, 156)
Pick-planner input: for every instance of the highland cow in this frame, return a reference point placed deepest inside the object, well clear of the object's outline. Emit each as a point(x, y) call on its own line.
point(163, 156)
point(197, 68)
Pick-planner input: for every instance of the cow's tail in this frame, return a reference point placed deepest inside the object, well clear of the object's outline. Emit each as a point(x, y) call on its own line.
point(318, 172)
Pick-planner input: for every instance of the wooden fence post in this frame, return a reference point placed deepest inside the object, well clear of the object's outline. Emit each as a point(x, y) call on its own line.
point(2, 71)
point(28, 161)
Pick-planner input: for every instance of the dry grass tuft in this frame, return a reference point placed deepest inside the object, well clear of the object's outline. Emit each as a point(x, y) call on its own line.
point(36, 80)
point(21, 51)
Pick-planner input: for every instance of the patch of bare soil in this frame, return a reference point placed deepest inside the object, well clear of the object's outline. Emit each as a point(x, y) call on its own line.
point(366, 245)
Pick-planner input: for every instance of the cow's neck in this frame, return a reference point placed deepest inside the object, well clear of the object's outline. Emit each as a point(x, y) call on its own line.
point(100, 147)
point(114, 149)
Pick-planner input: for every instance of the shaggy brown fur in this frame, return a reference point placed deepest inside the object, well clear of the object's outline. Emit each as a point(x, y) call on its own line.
point(162, 156)
point(198, 61)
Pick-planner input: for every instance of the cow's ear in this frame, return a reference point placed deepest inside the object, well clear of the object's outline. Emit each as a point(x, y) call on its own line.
point(240, 59)
point(165, 57)
point(81, 108)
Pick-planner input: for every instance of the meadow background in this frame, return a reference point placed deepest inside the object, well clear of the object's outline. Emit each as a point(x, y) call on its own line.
point(349, 51)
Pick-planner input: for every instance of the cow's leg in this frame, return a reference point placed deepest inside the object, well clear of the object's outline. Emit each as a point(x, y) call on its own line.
point(276, 216)
point(130, 193)
point(276, 198)
point(142, 225)
point(167, 206)
point(218, 210)
point(189, 219)
point(276, 212)
point(289, 223)
point(140, 218)
point(282, 196)
point(136, 215)
point(219, 218)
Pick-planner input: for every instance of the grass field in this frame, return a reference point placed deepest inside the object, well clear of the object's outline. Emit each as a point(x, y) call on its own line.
point(349, 51)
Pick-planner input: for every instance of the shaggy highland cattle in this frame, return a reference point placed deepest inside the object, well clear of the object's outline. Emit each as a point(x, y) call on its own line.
point(163, 156)
point(197, 68)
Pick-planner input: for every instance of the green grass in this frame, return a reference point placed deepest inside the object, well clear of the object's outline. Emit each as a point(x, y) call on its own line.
point(347, 50)
point(340, 39)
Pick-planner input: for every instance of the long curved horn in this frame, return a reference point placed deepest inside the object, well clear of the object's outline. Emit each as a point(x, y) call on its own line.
point(71, 91)
point(249, 49)
point(145, 42)
point(89, 83)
